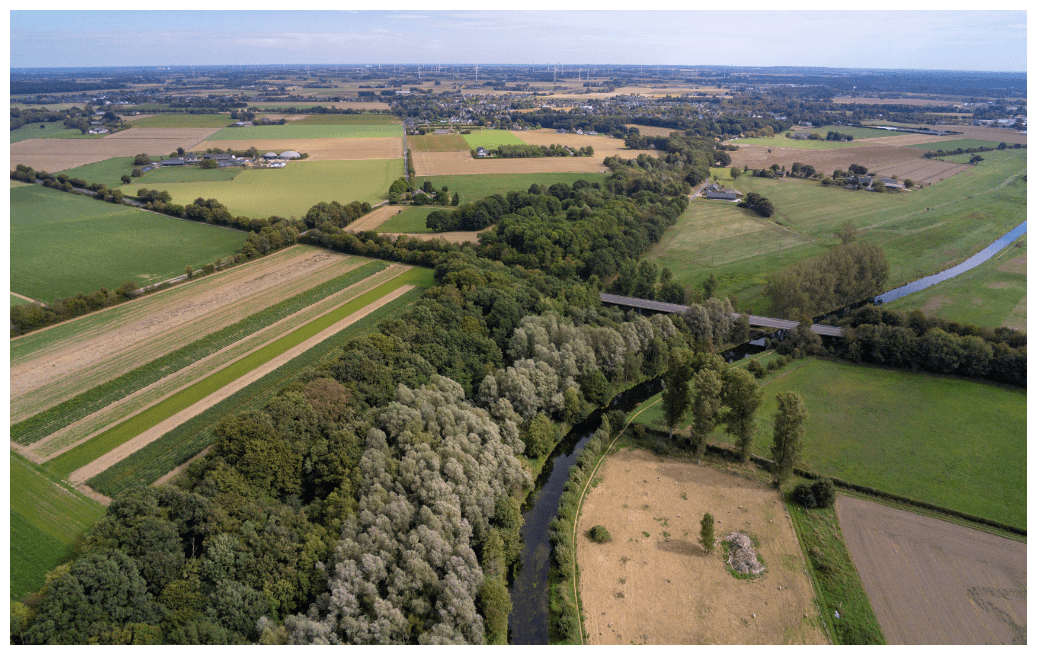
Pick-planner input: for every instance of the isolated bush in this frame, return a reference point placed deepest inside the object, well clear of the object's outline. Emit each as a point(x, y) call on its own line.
point(599, 534)
point(706, 536)
point(756, 368)
point(819, 494)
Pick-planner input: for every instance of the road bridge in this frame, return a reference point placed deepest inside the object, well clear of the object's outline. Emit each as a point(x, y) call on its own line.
point(754, 321)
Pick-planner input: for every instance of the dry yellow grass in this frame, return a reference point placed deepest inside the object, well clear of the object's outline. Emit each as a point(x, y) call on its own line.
point(604, 146)
point(54, 155)
point(462, 163)
point(649, 130)
point(323, 149)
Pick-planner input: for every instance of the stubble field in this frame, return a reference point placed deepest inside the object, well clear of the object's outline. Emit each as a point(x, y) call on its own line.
point(654, 584)
point(322, 149)
point(53, 155)
point(604, 146)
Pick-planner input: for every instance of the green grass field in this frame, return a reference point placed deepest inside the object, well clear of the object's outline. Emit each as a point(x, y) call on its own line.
point(955, 144)
point(410, 221)
point(856, 132)
point(438, 143)
point(803, 144)
point(183, 442)
point(292, 190)
point(108, 172)
point(48, 518)
point(953, 442)
point(322, 131)
point(992, 294)
point(184, 120)
point(88, 451)
point(15, 300)
point(477, 187)
point(922, 232)
point(55, 130)
point(62, 244)
point(491, 139)
point(347, 119)
point(188, 174)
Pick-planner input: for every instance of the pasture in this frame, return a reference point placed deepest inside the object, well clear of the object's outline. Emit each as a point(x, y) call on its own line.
point(855, 132)
point(184, 120)
point(934, 582)
point(56, 130)
point(654, 584)
point(462, 163)
point(410, 221)
point(922, 231)
point(291, 191)
point(296, 131)
point(477, 187)
point(825, 161)
point(438, 143)
point(955, 144)
point(604, 145)
point(348, 119)
point(992, 294)
point(490, 139)
point(108, 172)
point(323, 149)
point(188, 174)
point(63, 244)
point(798, 144)
point(302, 106)
point(48, 520)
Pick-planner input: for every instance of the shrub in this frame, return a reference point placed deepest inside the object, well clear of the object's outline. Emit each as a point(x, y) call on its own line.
point(756, 368)
point(819, 494)
point(706, 536)
point(599, 534)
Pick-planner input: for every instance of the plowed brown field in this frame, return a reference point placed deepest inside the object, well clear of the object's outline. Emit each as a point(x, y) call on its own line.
point(925, 171)
point(997, 134)
point(825, 161)
point(53, 155)
point(906, 139)
point(144, 329)
point(604, 146)
point(462, 163)
point(934, 582)
point(323, 149)
point(645, 587)
point(374, 218)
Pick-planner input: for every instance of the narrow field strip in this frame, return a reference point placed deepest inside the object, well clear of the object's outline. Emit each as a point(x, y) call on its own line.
point(60, 376)
point(69, 412)
point(176, 447)
point(96, 423)
point(87, 452)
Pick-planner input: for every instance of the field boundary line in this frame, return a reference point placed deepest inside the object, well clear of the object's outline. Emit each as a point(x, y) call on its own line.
point(127, 448)
point(579, 511)
point(180, 469)
point(266, 338)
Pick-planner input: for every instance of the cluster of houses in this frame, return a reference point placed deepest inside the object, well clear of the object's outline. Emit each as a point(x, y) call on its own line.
point(715, 192)
point(577, 131)
point(226, 160)
point(866, 181)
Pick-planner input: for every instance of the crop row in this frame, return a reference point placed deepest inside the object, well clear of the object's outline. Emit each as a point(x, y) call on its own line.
point(183, 442)
point(51, 420)
point(116, 436)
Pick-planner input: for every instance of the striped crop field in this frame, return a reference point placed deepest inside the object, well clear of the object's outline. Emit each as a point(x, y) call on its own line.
point(183, 442)
point(47, 422)
point(87, 452)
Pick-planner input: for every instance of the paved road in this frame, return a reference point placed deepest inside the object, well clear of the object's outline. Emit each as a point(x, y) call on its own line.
point(755, 321)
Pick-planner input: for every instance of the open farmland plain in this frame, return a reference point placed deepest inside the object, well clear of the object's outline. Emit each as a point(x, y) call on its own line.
point(995, 134)
point(462, 163)
point(56, 130)
point(346, 119)
point(309, 105)
point(934, 582)
point(310, 131)
point(477, 187)
point(322, 149)
point(922, 231)
point(409, 221)
point(183, 120)
point(63, 244)
point(490, 139)
point(53, 155)
point(604, 146)
point(653, 583)
point(439, 143)
point(109, 171)
point(291, 191)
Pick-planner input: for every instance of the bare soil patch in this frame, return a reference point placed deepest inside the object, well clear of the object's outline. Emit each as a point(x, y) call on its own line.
point(934, 582)
point(934, 304)
point(645, 587)
point(887, 160)
point(997, 134)
point(323, 149)
point(374, 218)
point(462, 163)
point(161, 323)
point(906, 139)
point(928, 171)
point(449, 237)
point(146, 437)
point(55, 155)
point(1014, 265)
point(604, 146)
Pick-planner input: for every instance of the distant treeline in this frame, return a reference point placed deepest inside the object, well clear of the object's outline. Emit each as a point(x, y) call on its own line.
point(929, 154)
point(55, 86)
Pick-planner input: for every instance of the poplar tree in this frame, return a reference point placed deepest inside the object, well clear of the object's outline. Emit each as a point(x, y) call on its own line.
point(788, 433)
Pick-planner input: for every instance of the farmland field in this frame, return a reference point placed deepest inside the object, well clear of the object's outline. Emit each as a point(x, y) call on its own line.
point(868, 154)
point(295, 131)
point(934, 582)
point(48, 518)
point(158, 417)
point(183, 174)
point(949, 441)
point(992, 294)
point(291, 191)
point(108, 172)
point(798, 144)
point(303, 105)
point(55, 155)
point(410, 221)
point(348, 119)
point(995, 134)
point(439, 143)
point(856, 132)
point(955, 144)
point(490, 139)
point(653, 583)
point(649, 130)
point(604, 146)
point(56, 130)
point(62, 244)
point(323, 149)
point(184, 120)
point(477, 187)
point(177, 446)
point(462, 163)
point(922, 231)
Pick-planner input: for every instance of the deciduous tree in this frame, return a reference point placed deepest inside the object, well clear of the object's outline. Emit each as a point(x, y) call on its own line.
point(788, 433)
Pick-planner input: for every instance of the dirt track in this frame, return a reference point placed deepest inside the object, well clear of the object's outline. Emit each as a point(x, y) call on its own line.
point(125, 450)
point(934, 582)
point(666, 590)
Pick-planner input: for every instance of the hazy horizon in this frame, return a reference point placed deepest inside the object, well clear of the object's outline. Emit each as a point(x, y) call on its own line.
point(968, 41)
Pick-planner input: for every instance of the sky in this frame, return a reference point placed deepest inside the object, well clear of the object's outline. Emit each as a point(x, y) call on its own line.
point(874, 38)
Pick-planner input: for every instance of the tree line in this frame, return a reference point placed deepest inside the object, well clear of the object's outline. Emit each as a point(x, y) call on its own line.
point(516, 151)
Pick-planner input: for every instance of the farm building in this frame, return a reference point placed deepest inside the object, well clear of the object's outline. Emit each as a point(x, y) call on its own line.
point(270, 155)
point(175, 161)
point(890, 183)
point(219, 156)
point(290, 154)
point(442, 131)
point(481, 152)
point(231, 162)
point(721, 195)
